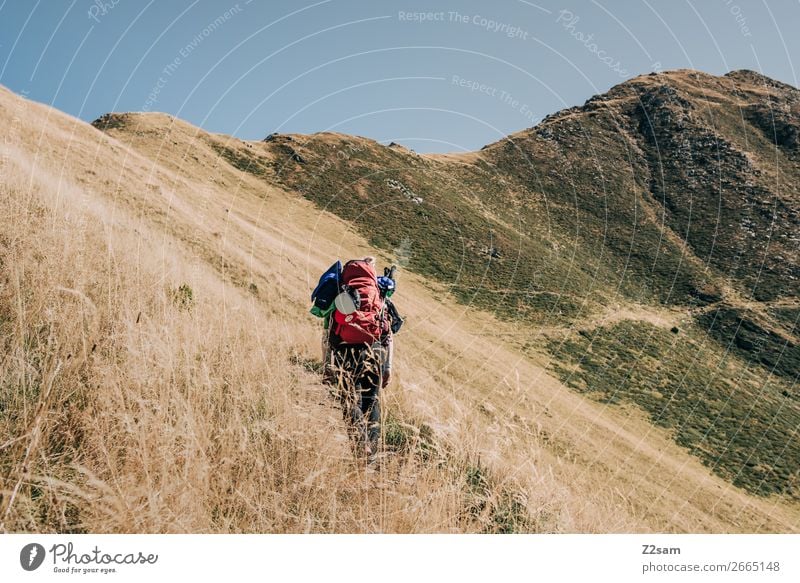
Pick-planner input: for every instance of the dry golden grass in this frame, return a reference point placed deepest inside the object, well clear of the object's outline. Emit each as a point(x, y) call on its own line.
point(135, 409)
point(130, 404)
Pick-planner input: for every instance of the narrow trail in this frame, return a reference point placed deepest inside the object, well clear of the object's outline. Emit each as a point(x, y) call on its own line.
point(611, 315)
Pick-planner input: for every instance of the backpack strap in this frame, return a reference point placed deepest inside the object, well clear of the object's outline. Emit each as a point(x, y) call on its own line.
point(397, 321)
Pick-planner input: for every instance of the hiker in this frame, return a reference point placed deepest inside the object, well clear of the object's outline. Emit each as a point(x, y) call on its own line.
point(360, 321)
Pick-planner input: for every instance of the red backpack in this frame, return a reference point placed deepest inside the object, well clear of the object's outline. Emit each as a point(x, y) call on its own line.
point(365, 325)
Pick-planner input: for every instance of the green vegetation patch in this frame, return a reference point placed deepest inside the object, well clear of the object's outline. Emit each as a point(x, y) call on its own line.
point(501, 510)
point(743, 428)
point(242, 159)
point(788, 318)
point(738, 330)
point(183, 296)
point(111, 121)
point(410, 439)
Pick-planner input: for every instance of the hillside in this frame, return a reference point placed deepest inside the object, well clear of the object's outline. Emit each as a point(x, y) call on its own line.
point(161, 366)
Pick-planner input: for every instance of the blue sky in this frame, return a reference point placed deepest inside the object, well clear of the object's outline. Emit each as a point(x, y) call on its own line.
point(434, 75)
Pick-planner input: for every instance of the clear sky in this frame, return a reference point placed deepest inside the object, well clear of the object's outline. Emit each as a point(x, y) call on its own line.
point(457, 76)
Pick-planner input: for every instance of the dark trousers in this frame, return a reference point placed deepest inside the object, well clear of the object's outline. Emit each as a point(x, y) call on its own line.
point(358, 373)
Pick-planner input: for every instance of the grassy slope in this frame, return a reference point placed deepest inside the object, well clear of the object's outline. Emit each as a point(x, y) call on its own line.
point(677, 189)
point(739, 422)
point(132, 408)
